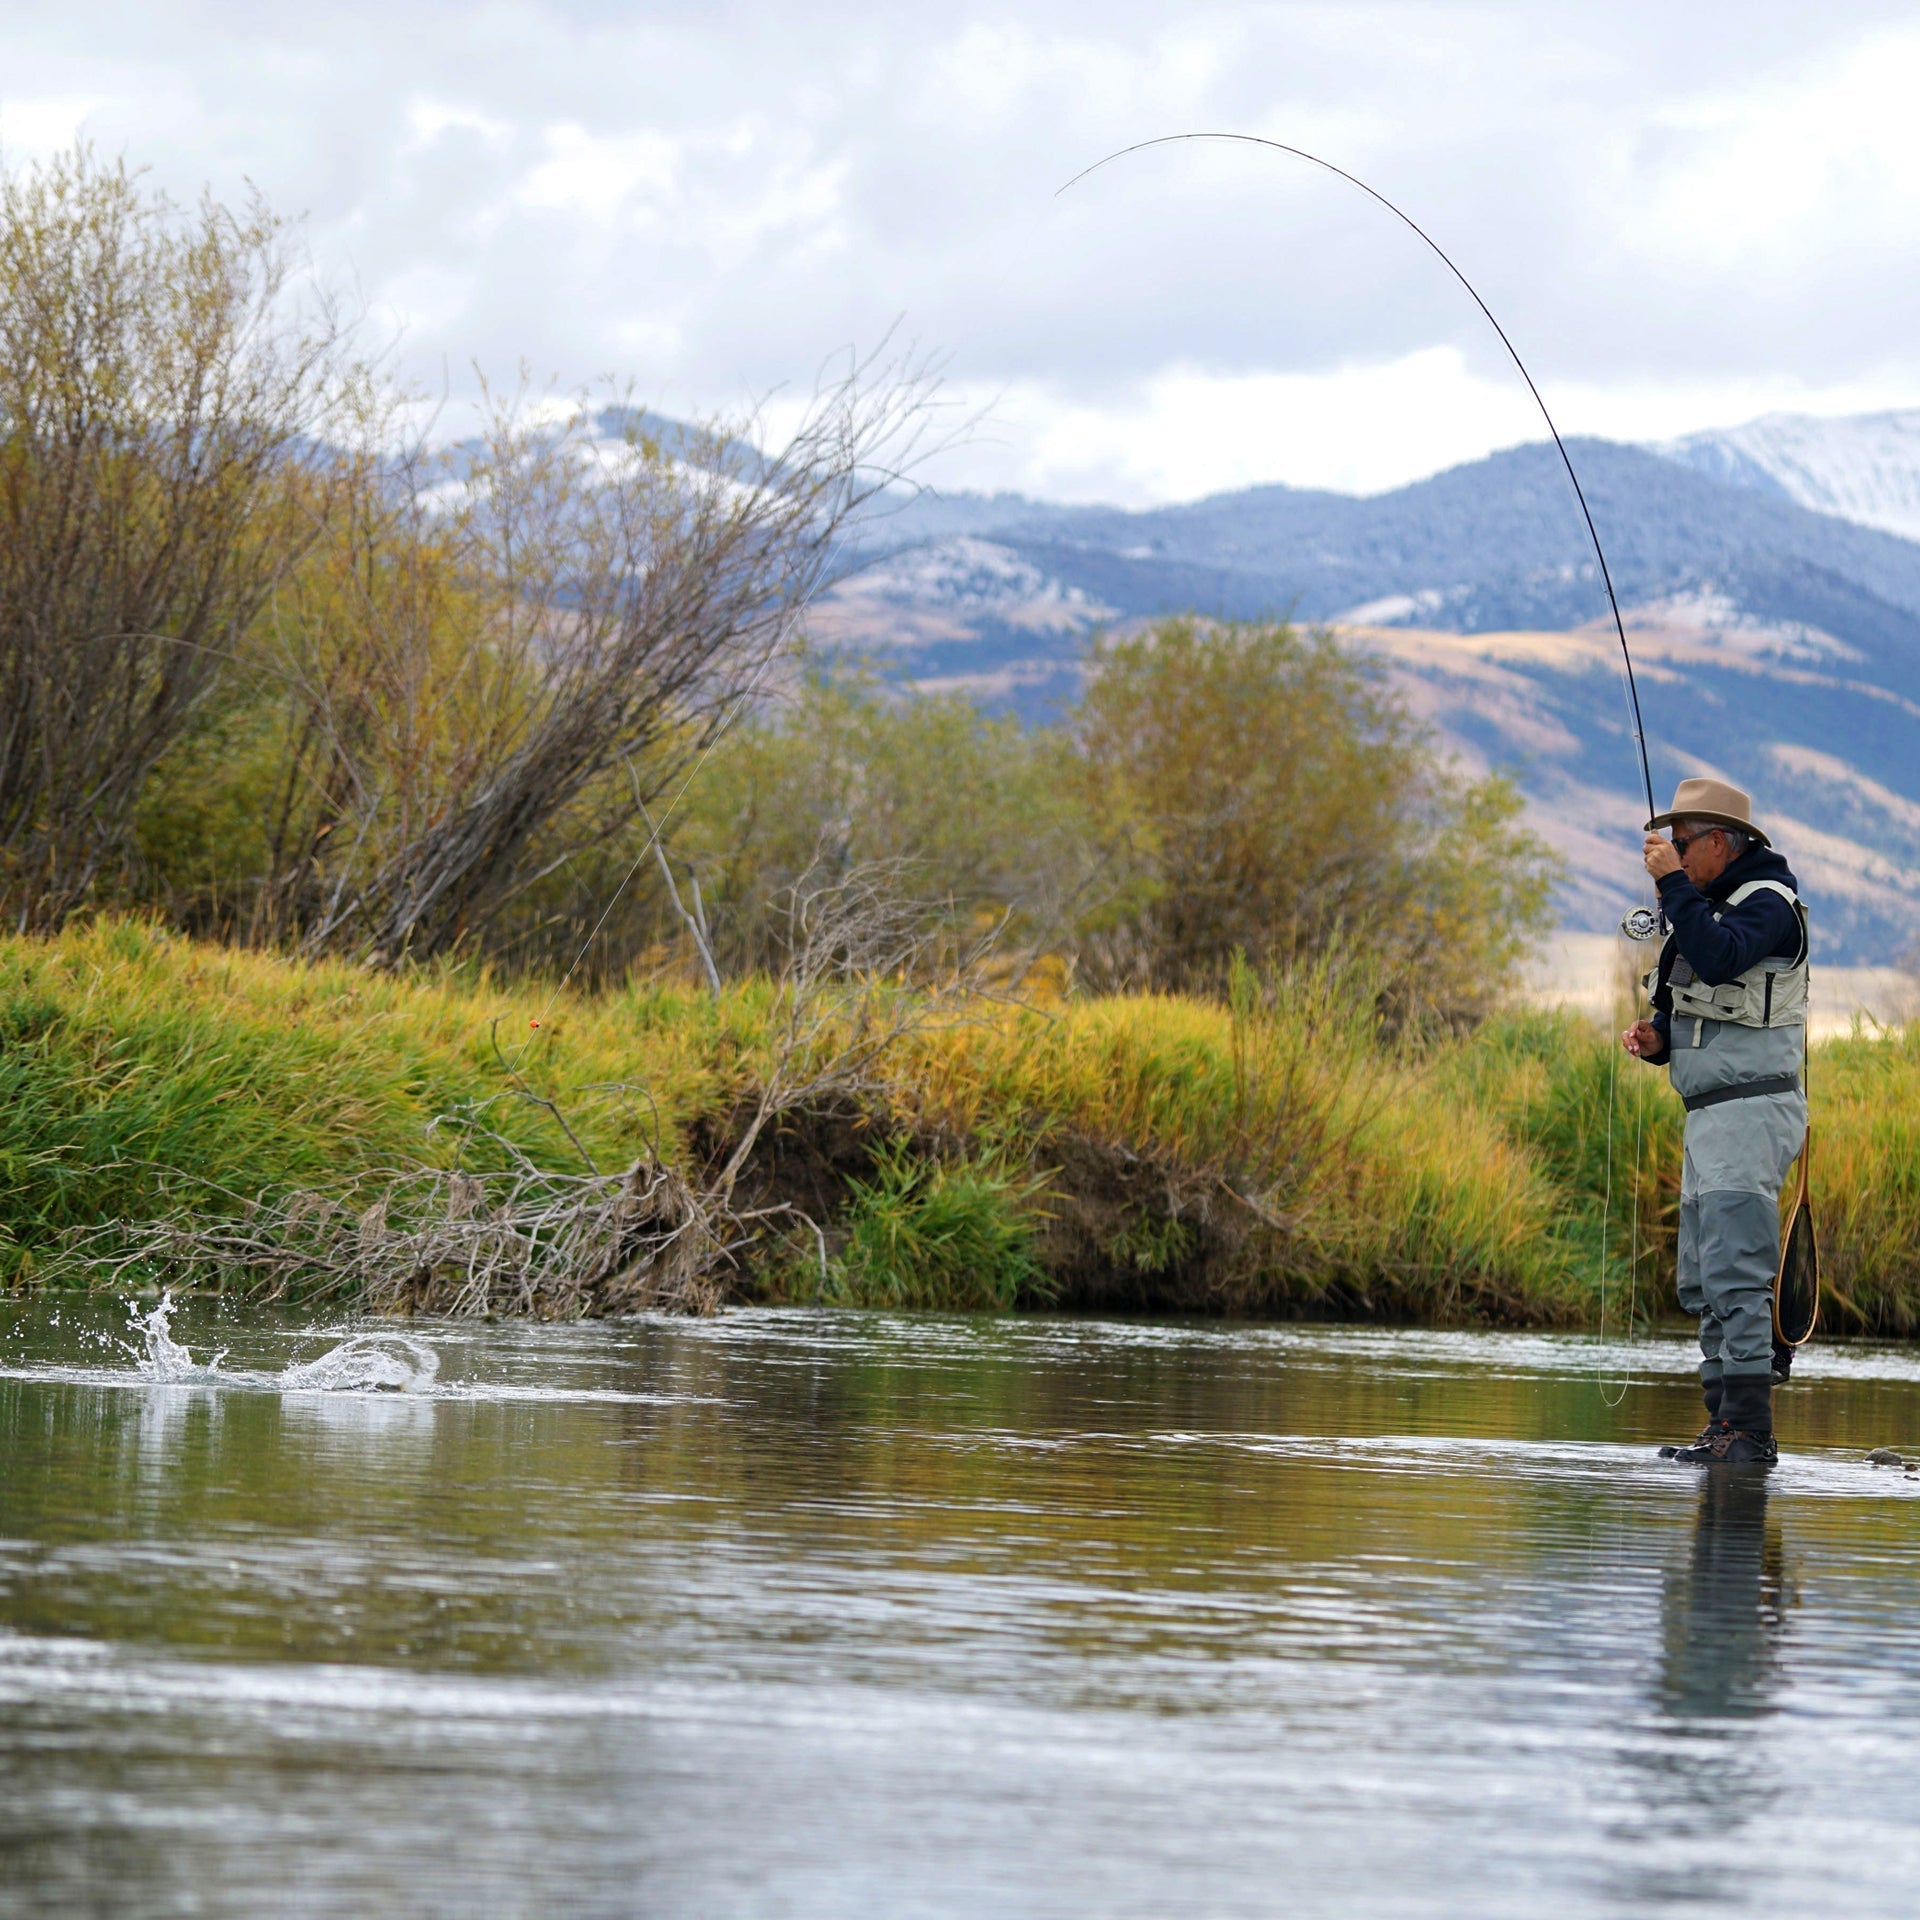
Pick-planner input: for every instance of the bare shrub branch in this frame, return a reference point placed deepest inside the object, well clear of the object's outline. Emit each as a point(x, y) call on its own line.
point(508, 629)
point(161, 393)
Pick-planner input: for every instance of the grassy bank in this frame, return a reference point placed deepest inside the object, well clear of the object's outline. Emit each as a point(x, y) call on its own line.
point(1138, 1152)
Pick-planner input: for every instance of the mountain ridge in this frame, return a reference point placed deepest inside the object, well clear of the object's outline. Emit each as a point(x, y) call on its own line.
point(1781, 640)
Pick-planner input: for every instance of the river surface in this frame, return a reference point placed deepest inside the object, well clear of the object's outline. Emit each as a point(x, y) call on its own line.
point(823, 1614)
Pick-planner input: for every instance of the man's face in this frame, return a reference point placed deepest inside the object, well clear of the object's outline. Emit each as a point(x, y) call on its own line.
point(1703, 853)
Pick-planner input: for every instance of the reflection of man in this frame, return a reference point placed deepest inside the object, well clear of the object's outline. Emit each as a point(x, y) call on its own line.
point(1721, 1624)
point(1729, 1022)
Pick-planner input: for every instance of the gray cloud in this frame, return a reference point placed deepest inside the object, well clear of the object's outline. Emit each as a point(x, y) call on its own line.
point(1700, 198)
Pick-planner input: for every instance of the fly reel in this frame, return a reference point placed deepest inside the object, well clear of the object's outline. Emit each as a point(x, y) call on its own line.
point(1642, 924)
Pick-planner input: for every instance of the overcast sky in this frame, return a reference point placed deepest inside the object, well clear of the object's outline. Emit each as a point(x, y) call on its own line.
point(1684, 214)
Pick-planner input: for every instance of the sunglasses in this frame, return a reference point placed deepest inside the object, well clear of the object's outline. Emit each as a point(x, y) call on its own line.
point(1693, 840)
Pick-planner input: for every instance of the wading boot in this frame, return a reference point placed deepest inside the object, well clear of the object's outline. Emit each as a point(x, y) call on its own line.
point(1710, 1393)
point(1743, 1434)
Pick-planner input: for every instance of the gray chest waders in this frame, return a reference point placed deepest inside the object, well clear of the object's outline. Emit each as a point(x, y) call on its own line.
point(1769, 995)
point(1796, 1288)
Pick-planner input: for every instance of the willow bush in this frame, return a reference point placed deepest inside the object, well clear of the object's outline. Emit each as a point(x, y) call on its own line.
point(165, 397)
point(1271, 796)
point(1219, 789)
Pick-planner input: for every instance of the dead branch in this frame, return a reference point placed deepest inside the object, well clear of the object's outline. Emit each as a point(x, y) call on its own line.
point(870, 965)
point(695, 921)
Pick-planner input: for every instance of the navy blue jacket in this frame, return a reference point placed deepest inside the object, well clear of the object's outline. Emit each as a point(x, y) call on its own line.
point(1722, 950)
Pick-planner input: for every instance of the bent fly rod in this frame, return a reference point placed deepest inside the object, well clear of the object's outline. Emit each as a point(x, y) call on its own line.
point(1643, 923)
point(1513, 353)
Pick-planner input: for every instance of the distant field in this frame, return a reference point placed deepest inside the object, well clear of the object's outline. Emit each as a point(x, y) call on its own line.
point(1592, 973)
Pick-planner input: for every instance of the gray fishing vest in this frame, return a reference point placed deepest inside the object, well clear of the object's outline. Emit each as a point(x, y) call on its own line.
point(1752, 1028)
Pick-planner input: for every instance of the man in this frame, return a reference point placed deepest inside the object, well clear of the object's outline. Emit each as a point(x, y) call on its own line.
point(1729, 1023)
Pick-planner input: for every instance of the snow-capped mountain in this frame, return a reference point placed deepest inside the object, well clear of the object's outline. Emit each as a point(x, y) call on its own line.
point(1779, 646)
point(1863, 467)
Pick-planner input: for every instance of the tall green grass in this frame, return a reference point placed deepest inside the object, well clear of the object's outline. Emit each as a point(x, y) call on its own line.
point(1552, 1081)
point(1602, 1130)
point(1864, 1093)
point(139, 1072)
point(958, 1234)
point(1270, 1155)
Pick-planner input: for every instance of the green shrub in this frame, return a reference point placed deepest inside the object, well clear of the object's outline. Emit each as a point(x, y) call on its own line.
point(957, 1234)
point(1267, 791)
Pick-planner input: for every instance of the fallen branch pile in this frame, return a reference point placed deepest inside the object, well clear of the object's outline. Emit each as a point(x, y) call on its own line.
point(868, 966)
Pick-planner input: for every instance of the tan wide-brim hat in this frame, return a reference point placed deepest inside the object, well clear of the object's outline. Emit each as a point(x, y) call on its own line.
point(1713, 801)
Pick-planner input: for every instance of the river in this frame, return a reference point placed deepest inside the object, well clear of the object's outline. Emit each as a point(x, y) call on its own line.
point(817, 1614)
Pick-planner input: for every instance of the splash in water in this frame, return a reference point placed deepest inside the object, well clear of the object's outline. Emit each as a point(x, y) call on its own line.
point(381, 1362)
point(159, 1356)
point(363, 1363)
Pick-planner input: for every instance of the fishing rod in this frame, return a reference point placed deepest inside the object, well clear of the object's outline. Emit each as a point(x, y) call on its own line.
point(1642, 923)
point(1513, 353)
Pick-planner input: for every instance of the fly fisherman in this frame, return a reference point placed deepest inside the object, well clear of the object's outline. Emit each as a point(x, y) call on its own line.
point(1729, 1022)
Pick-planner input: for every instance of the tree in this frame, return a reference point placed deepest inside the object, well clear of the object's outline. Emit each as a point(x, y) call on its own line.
point(843, 772)
point(514, 647)
point(1269, 796)
point(160, 397)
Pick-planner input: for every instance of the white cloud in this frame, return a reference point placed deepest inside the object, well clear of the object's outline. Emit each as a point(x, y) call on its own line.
point(1772, 172)
point(32, 129)
point(428, 119)
point(1185, 432)
point(1683, 215)
point(599, 178)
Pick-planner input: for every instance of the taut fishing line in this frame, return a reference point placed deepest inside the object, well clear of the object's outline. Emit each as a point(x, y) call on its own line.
point(1586, 513)
point(1407, 220)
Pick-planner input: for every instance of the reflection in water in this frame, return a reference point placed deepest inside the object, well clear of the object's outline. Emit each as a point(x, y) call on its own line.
point(837, 1614)
point(1709, 1777)
point(170, 1418)
point(1722, 1620)
point(395, 1426)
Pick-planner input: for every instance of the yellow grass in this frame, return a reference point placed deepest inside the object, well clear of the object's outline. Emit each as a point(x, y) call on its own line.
point(1174, 1153)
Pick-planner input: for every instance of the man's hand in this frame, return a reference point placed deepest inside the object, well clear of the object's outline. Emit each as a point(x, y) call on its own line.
point(1642, 1040)
point(1659, 855)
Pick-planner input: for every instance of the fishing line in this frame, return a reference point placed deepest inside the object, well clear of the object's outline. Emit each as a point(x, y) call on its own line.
point(1566, 459)
point(1599, 552)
